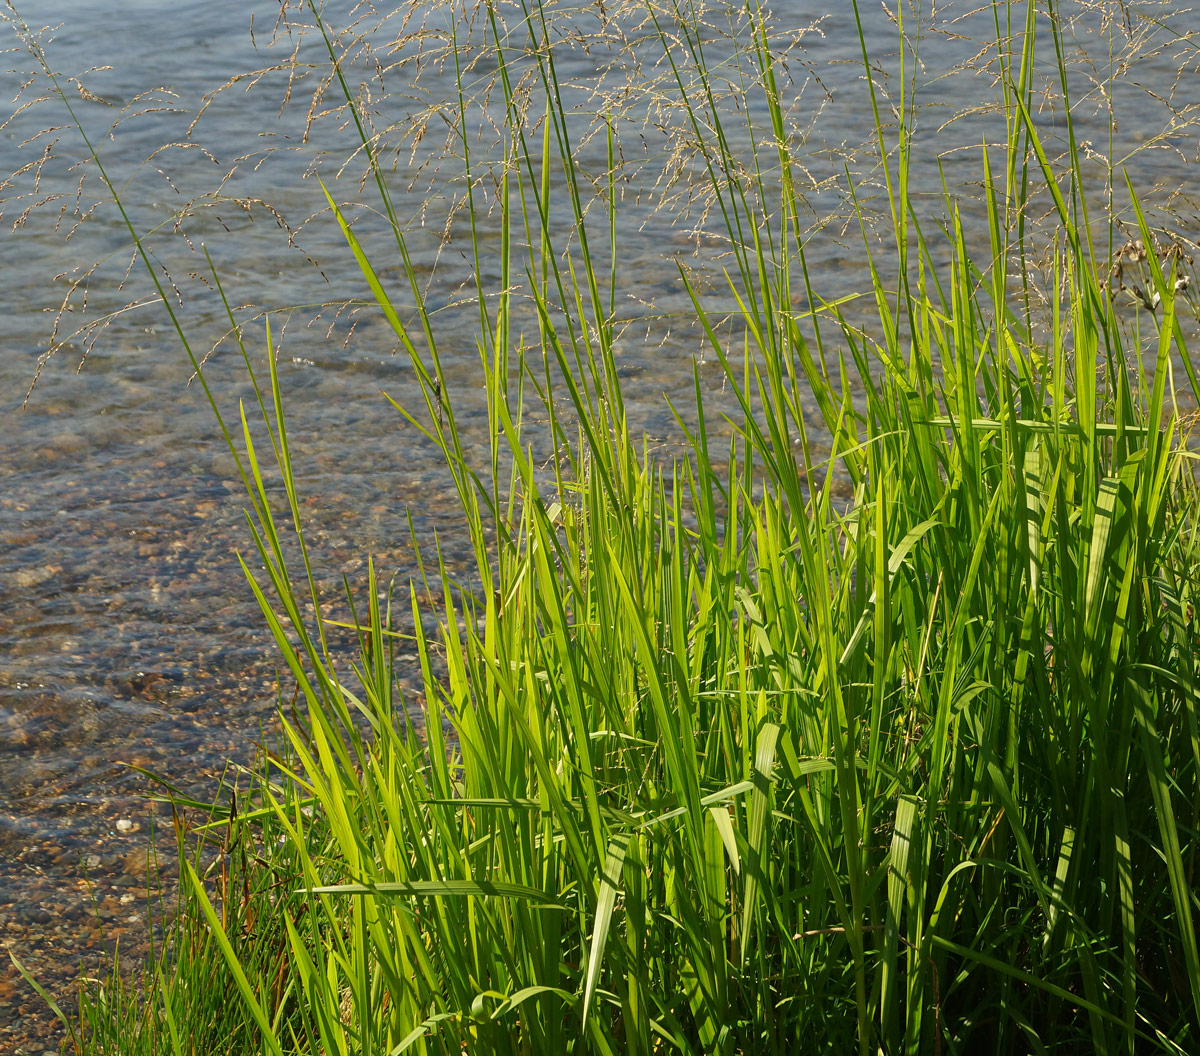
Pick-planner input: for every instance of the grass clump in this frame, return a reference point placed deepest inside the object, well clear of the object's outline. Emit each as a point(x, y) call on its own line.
point(867, 722)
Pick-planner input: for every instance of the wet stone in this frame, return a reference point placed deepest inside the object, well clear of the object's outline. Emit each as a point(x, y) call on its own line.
point(137, 863)
point(35, 575)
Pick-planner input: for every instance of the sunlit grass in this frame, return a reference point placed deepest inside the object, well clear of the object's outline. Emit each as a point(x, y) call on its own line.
point(890, 748)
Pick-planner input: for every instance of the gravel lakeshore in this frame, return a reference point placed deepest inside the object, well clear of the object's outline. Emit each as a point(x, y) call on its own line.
point(87, 858)
point(128, 638)
point(65, 908)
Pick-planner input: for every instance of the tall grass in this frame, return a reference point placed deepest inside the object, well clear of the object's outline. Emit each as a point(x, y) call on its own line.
point(710, 757)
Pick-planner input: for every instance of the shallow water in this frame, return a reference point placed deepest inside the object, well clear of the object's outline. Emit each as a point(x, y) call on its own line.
point(127, 632)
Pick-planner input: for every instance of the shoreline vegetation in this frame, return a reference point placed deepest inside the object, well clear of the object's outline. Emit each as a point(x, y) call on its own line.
point(867, 720)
